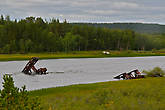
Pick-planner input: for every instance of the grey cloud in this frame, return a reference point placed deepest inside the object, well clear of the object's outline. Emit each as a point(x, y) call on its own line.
point(87, 10)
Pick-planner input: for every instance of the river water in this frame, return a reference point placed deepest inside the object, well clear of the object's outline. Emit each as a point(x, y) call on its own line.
point(63, 72)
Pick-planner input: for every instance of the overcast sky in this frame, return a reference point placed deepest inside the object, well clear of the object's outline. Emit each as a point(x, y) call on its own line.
point(148, 11)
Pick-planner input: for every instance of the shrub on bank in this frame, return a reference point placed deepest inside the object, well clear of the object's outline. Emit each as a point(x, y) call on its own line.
point(13, 98)
point(156, 72)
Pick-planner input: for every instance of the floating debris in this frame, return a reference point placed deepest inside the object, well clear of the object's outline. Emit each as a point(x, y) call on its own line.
point(30, 66)
point(135, 74)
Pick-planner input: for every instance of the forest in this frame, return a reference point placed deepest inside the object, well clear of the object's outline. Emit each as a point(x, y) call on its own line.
point(37, 35)
point(149, 28)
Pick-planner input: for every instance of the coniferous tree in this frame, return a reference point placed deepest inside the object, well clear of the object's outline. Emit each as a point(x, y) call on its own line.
point(13, 98)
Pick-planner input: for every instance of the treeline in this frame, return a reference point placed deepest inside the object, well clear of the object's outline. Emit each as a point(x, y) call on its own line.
point(137, 27)
point(34, 35)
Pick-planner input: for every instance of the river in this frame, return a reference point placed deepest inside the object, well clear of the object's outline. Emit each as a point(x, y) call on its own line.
point(63, 72)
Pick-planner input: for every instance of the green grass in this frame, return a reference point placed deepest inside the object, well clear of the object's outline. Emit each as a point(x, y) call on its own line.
point(139, 94)
point(79, 54)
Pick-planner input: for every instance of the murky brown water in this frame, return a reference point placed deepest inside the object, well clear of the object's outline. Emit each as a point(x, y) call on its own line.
point(77, 71)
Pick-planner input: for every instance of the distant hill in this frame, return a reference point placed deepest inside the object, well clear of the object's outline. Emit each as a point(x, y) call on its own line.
point(137, 27)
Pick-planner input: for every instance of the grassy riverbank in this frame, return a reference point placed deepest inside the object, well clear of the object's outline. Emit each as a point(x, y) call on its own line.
point(140, 94)
point(79, 54)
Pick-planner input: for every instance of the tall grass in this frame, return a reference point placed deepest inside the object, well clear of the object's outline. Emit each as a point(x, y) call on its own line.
point(78, 54)
point(139, 94)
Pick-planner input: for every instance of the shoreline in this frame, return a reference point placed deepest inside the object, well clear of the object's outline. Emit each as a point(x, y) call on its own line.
point(78, 54)
point(74, 84)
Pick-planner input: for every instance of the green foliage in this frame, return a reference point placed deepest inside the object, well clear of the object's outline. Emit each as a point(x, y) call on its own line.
point(157, 71)
point(13, 98)
point(69, 42)
point(35, 35)
point(138, 94)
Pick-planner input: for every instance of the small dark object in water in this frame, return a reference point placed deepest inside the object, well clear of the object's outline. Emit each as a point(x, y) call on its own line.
point(117, 77)
point(42, 71)
point(120, 76)
point(30, 65)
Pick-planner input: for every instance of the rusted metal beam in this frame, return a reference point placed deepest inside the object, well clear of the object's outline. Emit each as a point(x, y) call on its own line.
point(30, 66)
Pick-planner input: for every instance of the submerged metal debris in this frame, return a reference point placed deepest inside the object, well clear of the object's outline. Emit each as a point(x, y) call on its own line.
point(30, 66)
point(130, 75)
